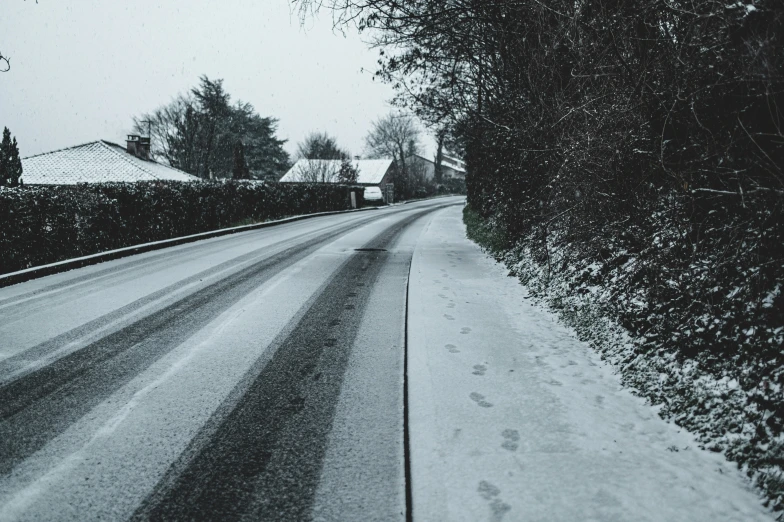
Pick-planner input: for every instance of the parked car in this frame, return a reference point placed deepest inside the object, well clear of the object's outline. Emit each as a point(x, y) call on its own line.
point(373, 196)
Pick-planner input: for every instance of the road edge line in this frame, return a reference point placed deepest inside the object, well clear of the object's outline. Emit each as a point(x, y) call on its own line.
point(406, 426)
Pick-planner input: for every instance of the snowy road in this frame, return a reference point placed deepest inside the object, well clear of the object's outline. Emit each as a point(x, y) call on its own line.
point(261, 376)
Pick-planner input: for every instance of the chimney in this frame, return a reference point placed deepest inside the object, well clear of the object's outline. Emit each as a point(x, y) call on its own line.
point(138, 146)
point(132, 144)
point(144, 148)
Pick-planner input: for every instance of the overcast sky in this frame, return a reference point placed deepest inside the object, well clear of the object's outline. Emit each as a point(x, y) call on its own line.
point(81, 69)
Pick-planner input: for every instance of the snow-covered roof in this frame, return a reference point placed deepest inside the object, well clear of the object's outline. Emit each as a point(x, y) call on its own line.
point(370, 172)
point(446, 161)
point(453, 163)
point(95, 162)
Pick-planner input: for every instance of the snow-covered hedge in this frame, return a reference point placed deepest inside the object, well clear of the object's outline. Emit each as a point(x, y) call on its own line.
point(40, 225)
point(689, 326)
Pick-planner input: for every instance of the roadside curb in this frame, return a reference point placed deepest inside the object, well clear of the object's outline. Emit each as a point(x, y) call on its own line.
point(70, 264)
point(432, 197)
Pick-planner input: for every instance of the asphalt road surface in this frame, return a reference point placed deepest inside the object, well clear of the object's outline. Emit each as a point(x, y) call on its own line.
point(252, 376)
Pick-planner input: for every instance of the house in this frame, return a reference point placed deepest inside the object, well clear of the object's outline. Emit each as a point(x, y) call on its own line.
point(370, 173)
point(451, 168)
point(99, 162)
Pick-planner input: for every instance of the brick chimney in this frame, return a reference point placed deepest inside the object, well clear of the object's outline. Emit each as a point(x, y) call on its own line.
point(138, 146)
point(132, 144)
point(144, 148)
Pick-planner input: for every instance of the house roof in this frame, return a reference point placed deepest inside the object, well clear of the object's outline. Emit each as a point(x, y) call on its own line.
point(370, 172)
point(95, 162)
point(446, 161)
point(454, 163)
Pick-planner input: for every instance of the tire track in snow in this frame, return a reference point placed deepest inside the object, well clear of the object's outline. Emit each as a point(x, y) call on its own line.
point(261, 454)
point(12, 368)
point(39, 406)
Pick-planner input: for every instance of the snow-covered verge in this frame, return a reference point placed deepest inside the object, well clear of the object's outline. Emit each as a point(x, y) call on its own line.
point(730, 400)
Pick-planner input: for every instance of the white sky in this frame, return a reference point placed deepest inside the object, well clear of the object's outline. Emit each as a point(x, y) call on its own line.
point(81, 69)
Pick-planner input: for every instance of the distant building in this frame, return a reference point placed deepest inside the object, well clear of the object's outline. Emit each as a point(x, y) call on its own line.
point(99, 162)
point(370, 173)
point(451, 168)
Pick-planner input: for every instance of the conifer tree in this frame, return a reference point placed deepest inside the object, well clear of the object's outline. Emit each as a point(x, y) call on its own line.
point(14, 164)
point(5, 147)
point(10, 163)
point(240, 169)
point(348, 172)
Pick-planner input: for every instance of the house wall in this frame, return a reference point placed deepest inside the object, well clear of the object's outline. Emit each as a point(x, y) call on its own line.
point(387, 179)
point(428, 168)
point(425, 167)
point(449, 172)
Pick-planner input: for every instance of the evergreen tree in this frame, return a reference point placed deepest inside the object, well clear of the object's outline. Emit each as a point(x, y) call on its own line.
point(5, 150)
point(240, 169)
point(198, 132)
point(348, 172)
point(14, 164)
point(10, 163)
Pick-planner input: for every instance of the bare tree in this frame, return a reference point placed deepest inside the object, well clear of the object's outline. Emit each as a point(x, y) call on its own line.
point(394, 136)
point(318, 171)
point(390, 136)
point(320, 145)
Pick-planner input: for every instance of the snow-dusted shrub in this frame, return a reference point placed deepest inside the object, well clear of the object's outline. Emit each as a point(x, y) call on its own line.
point(48, 224)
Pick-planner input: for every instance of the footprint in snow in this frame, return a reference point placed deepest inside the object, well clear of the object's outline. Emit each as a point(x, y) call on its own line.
point(465, 330)
point(488, 490)
point(452, 348)
point(511, 440)
point(480, 400)
point(479, 369)
point(498, 508)
point(449, 317)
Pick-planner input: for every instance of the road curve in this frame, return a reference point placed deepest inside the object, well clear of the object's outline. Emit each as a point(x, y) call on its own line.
point(251, 376)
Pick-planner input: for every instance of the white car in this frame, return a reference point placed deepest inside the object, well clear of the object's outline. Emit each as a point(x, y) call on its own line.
point(373, 196)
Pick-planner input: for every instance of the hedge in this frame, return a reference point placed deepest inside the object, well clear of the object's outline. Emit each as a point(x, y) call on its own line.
point(41, 225)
